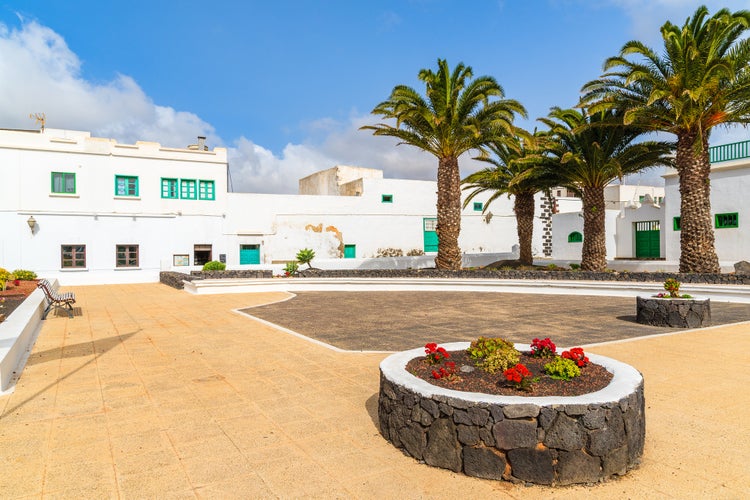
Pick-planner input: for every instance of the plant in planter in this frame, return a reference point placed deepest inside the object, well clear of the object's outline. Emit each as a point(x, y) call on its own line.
point(4, 277)
point(214, 265)
point(562, 369)
point(24, 275)
point(672, 286)
point(437, 355)
point(543, 348)
point(520, 377)
point(291, 268)
point(493, 354)
point(305, 256)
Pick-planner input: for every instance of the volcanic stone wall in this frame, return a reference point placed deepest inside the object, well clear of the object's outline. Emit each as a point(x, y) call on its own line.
point(551, 445)
point(676, 313)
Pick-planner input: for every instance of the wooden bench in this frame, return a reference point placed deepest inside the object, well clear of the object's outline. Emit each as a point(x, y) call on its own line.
point(56, 300)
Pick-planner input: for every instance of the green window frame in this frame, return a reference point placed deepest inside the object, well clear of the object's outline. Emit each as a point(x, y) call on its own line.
point(386, 198)
point(478, 206)
point(73, 256)
point(63, 183)
point(575, 237)
point(729, 220)
point(350, 251)
point(187, 189)
point(126, 185)
point(169, 188)
point(206, 190)
point(677, 223)
point(126, 255)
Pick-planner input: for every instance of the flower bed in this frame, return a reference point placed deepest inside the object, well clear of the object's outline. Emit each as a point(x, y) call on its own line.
point(553, 440)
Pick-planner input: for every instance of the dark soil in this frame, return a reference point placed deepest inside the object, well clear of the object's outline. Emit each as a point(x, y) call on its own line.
point(593, 378)
point(13, 296)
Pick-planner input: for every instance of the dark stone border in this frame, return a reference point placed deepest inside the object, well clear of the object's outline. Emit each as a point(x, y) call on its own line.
point(175, 279)
point(545, 440)
point(676, 313)
point(716, 279)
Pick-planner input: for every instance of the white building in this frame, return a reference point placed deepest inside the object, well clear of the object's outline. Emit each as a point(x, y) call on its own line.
point(104, 212)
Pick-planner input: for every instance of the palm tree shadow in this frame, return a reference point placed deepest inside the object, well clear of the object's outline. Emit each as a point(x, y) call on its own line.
point(94, 348)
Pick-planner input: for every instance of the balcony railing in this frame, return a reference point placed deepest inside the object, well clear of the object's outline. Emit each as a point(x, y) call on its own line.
point(728, 152)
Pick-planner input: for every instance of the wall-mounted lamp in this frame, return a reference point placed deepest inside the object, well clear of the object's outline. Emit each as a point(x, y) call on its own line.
point(31, 221)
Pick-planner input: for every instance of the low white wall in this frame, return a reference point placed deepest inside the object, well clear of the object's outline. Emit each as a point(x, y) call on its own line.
point(17, 335)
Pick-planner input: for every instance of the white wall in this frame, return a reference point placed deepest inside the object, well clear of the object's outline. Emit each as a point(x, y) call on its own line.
point(565, 223)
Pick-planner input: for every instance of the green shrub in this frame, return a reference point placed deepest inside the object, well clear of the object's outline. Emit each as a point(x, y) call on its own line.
point(24, 275)
point(291, 268)
point(214, 265)
point(574, 266)
point(562, 369)
point(305, 256)
point(4, 277)
point(493, 354)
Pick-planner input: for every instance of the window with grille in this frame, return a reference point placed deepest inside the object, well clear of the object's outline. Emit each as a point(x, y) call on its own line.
point(387, 198)
point(126, 185)
point(126, 256)
point(187, 189)
point(169, 188)
point(63, 182)
point(73, 256)
point(206, 190)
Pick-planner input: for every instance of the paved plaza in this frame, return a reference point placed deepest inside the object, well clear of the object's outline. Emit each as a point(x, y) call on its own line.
point(151, 392)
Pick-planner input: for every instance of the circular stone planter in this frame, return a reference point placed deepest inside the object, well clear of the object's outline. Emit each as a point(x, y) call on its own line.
point(540, 440)
point(677, 313)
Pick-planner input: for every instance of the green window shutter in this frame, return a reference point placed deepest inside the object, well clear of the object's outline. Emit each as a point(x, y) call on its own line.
point(676, 223)
point(63, 182)
point(206, 190)
point(187, 189)
point(478, 206)
point(350, 251)
point(575, 237)
point(169, 188)
point(387, 198)
point(126, 185)
point(723, 221)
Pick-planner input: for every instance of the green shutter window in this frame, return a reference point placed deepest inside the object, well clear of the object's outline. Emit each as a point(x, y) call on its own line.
point(676, 223)
point(126, 185)
point(63, 182)
point(169, 188)
point(206, 190)
point(187, 189)
point(478, 206)
point(350, 251)
point(387, 198)
point(575, 237)
point(724, 221)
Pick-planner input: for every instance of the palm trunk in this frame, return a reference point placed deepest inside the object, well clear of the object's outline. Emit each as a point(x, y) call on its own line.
point(594, 253)
point(697, 249)
point(523, 206)
point(448, 214)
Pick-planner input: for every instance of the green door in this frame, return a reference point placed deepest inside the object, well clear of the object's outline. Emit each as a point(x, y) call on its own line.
point(350, 251)
point(430, 235)
point(249, 254)
point(647, 240)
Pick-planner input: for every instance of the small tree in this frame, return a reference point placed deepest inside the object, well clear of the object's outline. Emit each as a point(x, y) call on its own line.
point(305, 256)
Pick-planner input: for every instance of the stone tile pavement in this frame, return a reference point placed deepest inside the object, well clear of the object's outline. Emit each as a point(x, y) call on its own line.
point(154, 393)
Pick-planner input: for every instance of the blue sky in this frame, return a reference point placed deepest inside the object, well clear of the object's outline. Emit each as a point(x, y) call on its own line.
point(285, 85)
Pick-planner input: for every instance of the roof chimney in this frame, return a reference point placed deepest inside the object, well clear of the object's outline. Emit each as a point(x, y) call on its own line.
point(202, 143)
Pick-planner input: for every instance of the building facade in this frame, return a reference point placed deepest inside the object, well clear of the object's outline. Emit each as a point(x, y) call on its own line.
point(90, 210)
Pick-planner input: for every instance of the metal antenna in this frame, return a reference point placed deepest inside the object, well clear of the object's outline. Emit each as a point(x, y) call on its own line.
point(40, 118)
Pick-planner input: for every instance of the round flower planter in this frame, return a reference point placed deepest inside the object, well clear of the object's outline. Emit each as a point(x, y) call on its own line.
point(540, 440)
point(676, 313)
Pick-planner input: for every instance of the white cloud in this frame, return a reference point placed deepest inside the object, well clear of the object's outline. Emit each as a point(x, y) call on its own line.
point(647, 16)
point(41, 74)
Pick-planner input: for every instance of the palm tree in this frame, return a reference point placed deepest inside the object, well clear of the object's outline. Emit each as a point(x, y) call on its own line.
point(516, 172)
point(700, 81)
point(455, 117)
point(588, 152)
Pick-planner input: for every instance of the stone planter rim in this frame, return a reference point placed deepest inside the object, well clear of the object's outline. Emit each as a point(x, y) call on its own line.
point(695, 298)
point(625, 381)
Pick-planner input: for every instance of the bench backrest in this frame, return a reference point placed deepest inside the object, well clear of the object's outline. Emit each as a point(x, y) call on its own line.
point(46, 287)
